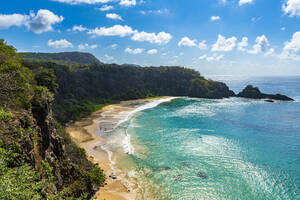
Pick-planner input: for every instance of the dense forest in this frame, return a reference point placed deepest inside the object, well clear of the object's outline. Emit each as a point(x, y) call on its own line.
point(84, 88)
point(37, 159)
point(64, 58)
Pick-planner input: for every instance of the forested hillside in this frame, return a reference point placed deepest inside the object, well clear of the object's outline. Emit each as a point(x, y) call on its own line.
point(37, 159)
point(64, 58)
point(84, 88)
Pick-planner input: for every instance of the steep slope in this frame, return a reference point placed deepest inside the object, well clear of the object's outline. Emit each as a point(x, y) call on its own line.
point(37, 159)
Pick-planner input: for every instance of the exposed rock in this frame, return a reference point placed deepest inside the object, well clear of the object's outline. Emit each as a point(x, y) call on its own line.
point(36, 134)
point(201, 175)
point(269, 101)
point(254, 93)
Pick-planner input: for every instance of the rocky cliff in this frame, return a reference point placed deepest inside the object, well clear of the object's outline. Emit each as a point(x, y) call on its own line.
point(254, 93)
point(37, 159)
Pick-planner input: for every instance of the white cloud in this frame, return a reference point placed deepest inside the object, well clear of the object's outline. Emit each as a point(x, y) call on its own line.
point(60, 44)
point(6, 21)
point(113, 46)
point(128, 3)
point(203, 57)
point(224, 44)
point(116, 30)
point(291, 7)
point(256, 19)
point(108, 58)
point(43, 21)
point(283, 28)
point(152, 51)
point(291, 48)
point(105, 8)
point(122, 31)
point(160, 38)
point(114, 16)
point(261, 45)
point(294, 44)
point(186, 41)
point(214, 57)
point(39, 23)
point(156, 12)
point(134, 51)
point(79, 28)
point(215, 18)
point(243, 44)
point(87, 46)
point(242, 2)
point(75, 2)
point(270, 52)
point(202, 45)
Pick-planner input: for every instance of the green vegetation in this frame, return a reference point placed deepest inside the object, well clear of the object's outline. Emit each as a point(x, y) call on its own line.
point(96, 175)
point(15, 79)
point(37, 158)
point(73, 58)
point(4, 115)
point(84, 89)
point(17, 178)
point(46, 77)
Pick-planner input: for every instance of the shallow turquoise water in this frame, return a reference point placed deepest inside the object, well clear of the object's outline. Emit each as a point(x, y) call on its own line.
point(222, 149)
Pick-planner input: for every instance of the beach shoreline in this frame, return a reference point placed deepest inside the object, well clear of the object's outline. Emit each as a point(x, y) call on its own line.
point(87, 132)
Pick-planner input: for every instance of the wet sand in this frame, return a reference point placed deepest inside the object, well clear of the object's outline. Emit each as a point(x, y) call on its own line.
point(86, 133)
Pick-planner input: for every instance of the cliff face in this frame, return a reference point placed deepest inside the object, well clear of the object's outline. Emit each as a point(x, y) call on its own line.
point(63, 169)
point(37, 159)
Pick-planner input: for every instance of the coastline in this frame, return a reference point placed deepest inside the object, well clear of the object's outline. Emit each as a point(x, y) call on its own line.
point(87, 134)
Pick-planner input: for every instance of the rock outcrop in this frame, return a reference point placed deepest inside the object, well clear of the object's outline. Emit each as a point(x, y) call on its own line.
point(254, 93)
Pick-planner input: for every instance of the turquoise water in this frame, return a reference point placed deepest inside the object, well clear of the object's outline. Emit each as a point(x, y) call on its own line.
point(221, 149)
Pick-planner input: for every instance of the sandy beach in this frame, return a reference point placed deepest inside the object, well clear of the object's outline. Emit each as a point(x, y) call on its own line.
point(87, 134)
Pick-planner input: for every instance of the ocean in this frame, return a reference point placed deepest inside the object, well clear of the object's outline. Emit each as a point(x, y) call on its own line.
point(194, 149)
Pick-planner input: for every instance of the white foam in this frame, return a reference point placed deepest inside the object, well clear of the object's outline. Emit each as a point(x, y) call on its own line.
point(127, 145)
point(146, 106)
point(128, 148)
point(112, 163)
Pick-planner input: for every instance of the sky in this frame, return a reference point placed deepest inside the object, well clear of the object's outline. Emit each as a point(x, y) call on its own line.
point(215, 37)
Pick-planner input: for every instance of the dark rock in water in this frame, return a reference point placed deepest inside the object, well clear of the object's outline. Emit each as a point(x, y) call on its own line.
point(254, 93)
point(166, 168)
point(201, 175)
point(269, 101)
point(161, 169)
point(178, 177)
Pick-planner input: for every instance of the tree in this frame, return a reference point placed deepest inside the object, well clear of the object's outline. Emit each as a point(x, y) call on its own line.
point(15, 79)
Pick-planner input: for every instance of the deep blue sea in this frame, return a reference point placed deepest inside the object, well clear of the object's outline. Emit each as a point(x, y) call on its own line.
point(194, 149)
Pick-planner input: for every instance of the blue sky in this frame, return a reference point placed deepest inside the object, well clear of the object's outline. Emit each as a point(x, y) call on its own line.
point(216, 37)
